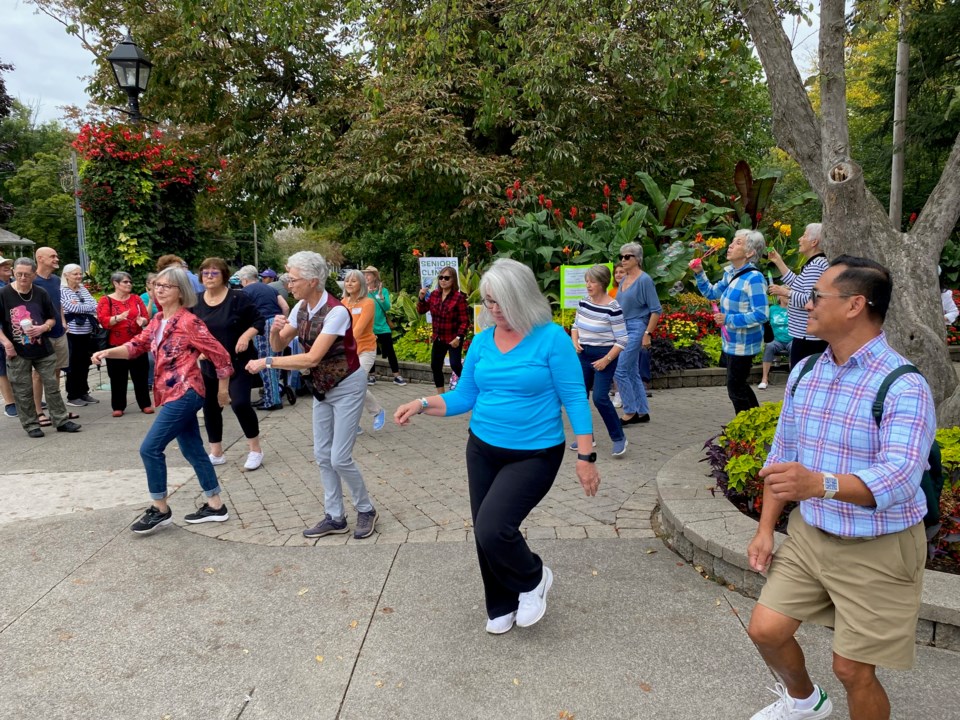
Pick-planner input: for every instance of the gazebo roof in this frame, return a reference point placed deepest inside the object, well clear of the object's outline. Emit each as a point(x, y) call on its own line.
point(9, 238)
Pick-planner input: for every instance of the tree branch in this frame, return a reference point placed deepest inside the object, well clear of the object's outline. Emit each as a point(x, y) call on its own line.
point(833, 84)
point(795, 125)
point(942, 209)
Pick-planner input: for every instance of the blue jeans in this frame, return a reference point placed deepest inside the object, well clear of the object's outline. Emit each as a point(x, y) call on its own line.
point(632, 392)
point(270, 377)
point(599, 382)
point(177, 419)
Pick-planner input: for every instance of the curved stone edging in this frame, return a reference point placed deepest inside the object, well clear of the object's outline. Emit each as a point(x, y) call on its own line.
point(703, 527)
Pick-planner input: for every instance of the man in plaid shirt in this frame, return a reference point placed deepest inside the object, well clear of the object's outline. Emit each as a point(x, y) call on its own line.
point(742, 293)
point(854, 558)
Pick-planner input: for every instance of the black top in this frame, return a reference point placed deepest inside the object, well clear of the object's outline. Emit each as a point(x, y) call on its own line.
point(227, 322)
point(36, 307)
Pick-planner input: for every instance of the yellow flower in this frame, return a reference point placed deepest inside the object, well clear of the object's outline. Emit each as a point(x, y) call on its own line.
point(776, 225)
point(717, 243)
point(786, 230)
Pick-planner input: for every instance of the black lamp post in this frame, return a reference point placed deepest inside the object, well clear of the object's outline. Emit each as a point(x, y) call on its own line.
point(132, 70)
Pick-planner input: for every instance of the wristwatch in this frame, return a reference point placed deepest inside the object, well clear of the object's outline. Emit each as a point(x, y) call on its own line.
point(591, 458)
point(831, 486)
point(269, 362)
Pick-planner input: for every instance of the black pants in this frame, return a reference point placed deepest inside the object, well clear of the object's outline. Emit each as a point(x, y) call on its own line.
point(738, 382)
point(801, 348)
point(138, 369)
point(505, 485)
point(241, 383)
point(437, 353)
point(81, 348)
point(385, 344)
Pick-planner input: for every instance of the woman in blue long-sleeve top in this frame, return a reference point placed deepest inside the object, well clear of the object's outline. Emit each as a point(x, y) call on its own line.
point(516, 378)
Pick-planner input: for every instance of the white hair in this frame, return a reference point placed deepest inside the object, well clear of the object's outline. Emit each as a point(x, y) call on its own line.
point(514, 288)
point(311, 265)
point(753, 243)
point(176, 275)
point(248, 272)
point(814, 232)
point(635, 249)
point(71, 267)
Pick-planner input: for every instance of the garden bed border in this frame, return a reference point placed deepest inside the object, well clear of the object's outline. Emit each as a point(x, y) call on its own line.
point(705, 528)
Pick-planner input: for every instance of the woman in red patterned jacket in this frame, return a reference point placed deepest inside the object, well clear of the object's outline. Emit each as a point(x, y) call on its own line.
point(177, 338)
point(124, 315)
point(448, 309)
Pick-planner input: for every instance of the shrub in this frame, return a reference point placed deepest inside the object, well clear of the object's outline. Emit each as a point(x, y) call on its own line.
point(665, 357)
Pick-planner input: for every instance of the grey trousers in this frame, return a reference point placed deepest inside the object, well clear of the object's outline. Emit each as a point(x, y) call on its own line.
point(20, 374)
point(335, 420)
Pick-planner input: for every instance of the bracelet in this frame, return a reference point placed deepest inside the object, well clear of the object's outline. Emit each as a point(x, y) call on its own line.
point(423, 405)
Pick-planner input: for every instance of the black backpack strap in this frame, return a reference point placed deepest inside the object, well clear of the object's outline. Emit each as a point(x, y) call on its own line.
point(885, 387)
point(807, 367)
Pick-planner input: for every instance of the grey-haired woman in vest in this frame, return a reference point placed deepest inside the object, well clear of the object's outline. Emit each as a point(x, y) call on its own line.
point(331, 368)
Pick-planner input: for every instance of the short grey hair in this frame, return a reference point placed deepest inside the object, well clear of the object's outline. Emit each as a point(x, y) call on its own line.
point(176, 275)
point(120, 276)
point(359, 277)
point(248, 272)
point(814, 232)
point(514, 288)
point(635, 249)
point(284, 279)
point(311, 265)
point(599, 274)
point(25, 261)
point(71, 267)
point(753, 243)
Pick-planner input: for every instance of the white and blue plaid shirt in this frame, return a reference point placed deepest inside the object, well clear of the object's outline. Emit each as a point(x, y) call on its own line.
point(743, 300)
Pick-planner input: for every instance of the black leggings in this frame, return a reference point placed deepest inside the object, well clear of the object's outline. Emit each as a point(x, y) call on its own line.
point(505, 485)
point(81, 348)
point(240, 385)
point(437, 353)
point(385, 343)
point(138, 369)
point(738, 382)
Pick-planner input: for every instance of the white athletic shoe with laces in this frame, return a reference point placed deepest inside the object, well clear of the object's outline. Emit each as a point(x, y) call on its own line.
point(785, 707)
point(533, 604)
point(502, 624)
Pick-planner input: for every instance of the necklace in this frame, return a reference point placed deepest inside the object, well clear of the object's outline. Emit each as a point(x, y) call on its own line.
point(25, 299)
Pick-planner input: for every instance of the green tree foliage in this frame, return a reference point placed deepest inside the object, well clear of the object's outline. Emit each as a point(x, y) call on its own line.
point(6, 105)
point(43, 213)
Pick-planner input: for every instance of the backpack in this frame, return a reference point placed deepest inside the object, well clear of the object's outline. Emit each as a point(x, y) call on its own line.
point(932, 481)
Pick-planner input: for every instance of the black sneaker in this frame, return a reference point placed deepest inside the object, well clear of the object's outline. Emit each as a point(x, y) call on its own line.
point(327, 526)
point(366, 522)
point(91, 400)
point(69, 426)
point(151, 520)
point(397, 380)
point(207, 514)
point(77, 402)
point(35, 433)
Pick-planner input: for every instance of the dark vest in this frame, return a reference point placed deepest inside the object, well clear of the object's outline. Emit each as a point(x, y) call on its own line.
point(340, 360)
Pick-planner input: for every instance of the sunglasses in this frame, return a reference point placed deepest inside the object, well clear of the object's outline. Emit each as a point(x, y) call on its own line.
point(444, 277)
point(627, 257)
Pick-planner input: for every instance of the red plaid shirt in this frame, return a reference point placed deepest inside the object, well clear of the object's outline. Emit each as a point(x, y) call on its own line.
point(450, 317)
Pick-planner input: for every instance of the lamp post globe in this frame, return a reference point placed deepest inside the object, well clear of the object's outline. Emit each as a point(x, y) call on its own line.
point(132, 71)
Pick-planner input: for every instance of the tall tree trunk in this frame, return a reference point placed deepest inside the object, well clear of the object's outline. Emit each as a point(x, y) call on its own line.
point(854, 221)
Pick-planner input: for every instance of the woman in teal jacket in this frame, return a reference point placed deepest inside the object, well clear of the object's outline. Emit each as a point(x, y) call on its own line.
point(381, 326)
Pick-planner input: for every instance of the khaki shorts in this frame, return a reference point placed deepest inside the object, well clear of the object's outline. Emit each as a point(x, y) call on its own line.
point(868, 590)
point(62, 350)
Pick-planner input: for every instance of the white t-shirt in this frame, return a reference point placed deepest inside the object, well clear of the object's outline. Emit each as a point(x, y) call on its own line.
point(337, 321)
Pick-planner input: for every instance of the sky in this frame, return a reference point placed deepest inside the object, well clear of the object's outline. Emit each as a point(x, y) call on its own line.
point(51, 66)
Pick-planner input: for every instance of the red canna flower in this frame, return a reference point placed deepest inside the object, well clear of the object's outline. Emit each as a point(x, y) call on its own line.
point(593, 216)
point(510, 211)
point(416, 253)
point(516, 184)
point(629, 199)
point(703, 200)
point(567, 250)
point(623, 184)
point(540, 198)
point(759, 216)
point(913, 218)
point(489, 246)
point(466, 244)
point(509, 193)
point(605, 206)
point(444, 246)
point(503, 221)
point(557, 213)
point(606, 190)
point(733, 198)
point(580, 224)
point(573, 213)
point(548, 203)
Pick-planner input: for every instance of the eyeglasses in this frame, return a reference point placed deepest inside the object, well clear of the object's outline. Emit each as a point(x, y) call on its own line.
point(23, 275)
point(444, 277)
point(627, 257)
point(815, 296)
point(293, 280)
point(164, 286)
point(210, 273)
point(489, 302)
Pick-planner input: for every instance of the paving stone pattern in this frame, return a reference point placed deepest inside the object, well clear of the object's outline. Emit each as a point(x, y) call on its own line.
point(416, 476)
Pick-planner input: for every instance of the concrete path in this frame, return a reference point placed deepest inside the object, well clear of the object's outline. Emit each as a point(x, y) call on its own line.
point(98, 623)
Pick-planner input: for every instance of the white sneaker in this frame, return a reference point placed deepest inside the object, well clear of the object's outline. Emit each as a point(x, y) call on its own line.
point(762, 386)
point(533, 604)
point(617, 402)
point(502, 624)
point(785, 707)
point(254, 460)
point(217, 459)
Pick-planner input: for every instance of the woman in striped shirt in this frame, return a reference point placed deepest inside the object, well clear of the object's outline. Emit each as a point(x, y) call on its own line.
point(599, 335)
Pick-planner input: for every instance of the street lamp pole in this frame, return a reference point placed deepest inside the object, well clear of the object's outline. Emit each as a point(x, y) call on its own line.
point(132, 72)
